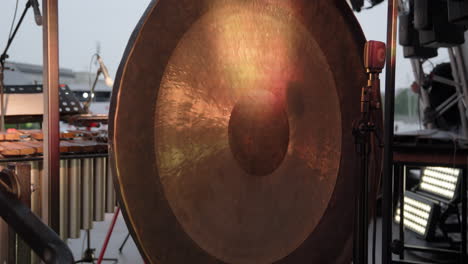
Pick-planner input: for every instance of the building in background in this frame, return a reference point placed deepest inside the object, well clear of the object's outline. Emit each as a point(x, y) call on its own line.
point(79, 82)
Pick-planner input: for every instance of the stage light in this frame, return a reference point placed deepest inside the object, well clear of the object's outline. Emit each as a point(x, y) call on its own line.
point(419, 214)
point(440, 181)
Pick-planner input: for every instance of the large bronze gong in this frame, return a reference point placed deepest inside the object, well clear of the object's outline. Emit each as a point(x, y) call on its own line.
point(231, 131)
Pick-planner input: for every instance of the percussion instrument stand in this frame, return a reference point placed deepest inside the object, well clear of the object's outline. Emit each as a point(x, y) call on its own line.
point(88, 255)
point(374, 60)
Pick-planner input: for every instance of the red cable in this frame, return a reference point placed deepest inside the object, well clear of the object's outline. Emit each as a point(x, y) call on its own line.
point(109, 233)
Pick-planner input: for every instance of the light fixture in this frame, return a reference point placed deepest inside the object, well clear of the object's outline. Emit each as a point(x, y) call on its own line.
point(440, 181)
point(419, 214)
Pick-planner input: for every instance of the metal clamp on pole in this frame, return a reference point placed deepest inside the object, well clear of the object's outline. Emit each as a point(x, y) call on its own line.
point(42, 240)
point(374, 61)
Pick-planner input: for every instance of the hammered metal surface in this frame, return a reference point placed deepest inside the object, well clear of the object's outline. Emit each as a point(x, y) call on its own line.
point(231, 131)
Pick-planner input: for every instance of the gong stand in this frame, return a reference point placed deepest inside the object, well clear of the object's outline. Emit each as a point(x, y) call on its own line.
point(374, 60)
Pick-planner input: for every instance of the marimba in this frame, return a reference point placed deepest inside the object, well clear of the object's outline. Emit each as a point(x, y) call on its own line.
point(86, 186)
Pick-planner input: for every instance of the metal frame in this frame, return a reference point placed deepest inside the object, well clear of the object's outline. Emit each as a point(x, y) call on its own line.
point(459, 77)
point(418, 73)
point(459, 82)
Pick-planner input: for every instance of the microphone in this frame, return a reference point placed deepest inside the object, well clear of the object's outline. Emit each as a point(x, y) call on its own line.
point(374, 62)
point(37, 12)
point(103, 68)
point(374, 56)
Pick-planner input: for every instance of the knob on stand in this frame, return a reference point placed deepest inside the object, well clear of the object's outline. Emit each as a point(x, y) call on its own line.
point(374, 61)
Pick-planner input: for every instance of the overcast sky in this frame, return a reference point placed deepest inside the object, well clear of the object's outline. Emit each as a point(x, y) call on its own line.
point(84, 23)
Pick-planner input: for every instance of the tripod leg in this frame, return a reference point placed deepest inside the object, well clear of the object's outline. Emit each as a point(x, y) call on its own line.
point(124, 242)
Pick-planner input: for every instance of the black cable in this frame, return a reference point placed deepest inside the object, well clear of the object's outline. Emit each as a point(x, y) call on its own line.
point(14, 19)
point(4, 55)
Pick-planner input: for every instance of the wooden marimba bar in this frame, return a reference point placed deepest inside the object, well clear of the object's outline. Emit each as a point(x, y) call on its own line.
point(86, 186)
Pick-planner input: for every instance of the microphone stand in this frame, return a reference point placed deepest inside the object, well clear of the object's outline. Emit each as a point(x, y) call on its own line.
point(3, 58)
point(362, 131)
point(101, 70)
point(87, 104)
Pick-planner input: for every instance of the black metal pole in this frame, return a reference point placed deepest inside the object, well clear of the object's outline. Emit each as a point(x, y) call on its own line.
point(357, 226)
point(361, 231)
point(361, 132)
point(430, 249)
point(401, 169)
point(388, 132)
point(88, 239)
point(364, 200)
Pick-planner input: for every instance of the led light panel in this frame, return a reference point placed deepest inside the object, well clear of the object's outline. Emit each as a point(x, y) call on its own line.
point(418, 214)
point(440, 181)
